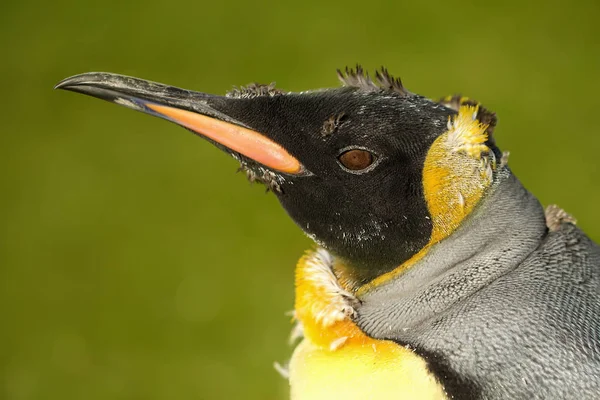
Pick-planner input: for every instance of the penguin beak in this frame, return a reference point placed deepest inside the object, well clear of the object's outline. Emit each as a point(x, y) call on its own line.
point(198, 112)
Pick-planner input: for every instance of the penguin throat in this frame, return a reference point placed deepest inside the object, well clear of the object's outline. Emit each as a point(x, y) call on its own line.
point(459, 168)
point(323, 308)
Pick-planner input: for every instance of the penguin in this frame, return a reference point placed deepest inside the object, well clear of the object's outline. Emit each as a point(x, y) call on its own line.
point(435, 273)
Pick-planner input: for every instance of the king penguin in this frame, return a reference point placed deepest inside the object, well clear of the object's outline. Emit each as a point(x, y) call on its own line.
point(436, 274)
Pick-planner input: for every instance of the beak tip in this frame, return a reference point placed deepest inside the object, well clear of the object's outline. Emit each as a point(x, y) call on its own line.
point(62, 84)
point(89, 78)
point(68, 83)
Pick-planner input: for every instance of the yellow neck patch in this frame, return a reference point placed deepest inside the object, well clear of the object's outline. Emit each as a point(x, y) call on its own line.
point(458, 169)
point(322, 306)
point(336, 359)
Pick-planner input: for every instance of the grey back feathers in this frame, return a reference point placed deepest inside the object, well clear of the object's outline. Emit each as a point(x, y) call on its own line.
point(503, 308)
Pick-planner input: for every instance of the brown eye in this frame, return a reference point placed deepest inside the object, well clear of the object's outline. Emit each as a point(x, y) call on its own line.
point(356, 159)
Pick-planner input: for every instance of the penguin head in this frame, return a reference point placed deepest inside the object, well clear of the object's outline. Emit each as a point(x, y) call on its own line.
point(355, 167)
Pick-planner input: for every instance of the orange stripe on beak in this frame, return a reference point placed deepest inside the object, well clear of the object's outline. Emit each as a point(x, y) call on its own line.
point(237, 138)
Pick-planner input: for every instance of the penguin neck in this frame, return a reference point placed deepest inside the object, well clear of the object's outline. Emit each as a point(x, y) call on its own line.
point(505, 228)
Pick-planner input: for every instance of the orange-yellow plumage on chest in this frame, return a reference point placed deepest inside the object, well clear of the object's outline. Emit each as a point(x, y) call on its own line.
point(336, 359)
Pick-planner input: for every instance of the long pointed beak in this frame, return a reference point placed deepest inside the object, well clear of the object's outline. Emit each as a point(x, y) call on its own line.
point(192, 110)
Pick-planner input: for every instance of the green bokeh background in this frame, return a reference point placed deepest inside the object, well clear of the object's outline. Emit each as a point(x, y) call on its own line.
point(134, 263)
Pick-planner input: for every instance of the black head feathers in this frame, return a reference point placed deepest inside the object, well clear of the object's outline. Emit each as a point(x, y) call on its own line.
point(383, 80)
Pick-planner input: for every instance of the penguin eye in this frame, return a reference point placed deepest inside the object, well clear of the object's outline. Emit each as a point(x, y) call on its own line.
point(356, 159)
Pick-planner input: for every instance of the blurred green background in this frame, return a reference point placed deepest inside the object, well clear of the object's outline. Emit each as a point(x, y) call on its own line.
point(134, 263)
